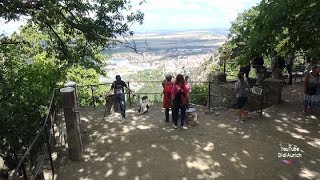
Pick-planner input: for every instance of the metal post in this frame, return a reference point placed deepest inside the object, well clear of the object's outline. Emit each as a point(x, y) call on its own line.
point(49, 149)
point(209, 95)
point(92, 95)
point(261, 104)
point(129, 94)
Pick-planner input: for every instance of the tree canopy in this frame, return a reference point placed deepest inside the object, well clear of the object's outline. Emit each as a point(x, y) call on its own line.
point(62, 40)
point(85, 24)
point(284, 26)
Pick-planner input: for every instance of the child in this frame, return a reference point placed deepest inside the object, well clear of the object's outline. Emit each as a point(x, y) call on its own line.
point(242, 88)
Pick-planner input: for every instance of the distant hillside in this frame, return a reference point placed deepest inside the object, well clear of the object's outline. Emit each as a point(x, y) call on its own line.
point(162, 42)
point(202, 72)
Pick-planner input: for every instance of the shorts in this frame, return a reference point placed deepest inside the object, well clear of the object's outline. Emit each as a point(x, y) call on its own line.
point(241, 101)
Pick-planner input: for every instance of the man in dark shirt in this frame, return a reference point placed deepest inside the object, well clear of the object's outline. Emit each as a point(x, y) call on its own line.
point(118, 88)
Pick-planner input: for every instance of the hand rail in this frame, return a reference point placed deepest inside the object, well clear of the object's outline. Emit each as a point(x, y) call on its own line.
point(44, 127)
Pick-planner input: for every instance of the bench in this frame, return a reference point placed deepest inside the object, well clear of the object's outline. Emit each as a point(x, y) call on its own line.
point(298, 72)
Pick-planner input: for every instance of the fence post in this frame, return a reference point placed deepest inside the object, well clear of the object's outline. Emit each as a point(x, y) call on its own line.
point(73, 130)
point(49, 149)
point(129, 94)
point(209, 95)
point(92, 95)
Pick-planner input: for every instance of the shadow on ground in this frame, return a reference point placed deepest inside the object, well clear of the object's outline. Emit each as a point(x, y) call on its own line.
point(145, 147)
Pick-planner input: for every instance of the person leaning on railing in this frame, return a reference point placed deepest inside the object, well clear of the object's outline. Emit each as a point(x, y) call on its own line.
point(118, 87)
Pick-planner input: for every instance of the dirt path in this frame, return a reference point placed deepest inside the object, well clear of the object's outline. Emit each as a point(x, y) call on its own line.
point(145, 147)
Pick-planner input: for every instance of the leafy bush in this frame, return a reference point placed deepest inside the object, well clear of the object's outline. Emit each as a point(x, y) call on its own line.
point(199, 94)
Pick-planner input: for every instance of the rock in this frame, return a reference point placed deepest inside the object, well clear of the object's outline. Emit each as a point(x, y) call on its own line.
point(192, 119)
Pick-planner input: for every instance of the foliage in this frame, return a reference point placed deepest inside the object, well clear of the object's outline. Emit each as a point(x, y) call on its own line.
point(61, 41)
point(98, 22)
point(199, 94)
point(25, 93)
point(284, 26)
point(84, 78)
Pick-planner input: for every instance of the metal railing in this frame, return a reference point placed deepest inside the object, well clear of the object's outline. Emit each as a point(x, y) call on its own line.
point(93, 93)
point(24, 169)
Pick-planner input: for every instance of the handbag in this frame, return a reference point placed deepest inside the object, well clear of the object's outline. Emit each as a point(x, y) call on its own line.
point(313, 90)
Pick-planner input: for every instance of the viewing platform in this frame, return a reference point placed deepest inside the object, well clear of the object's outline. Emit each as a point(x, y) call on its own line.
point(146, 147)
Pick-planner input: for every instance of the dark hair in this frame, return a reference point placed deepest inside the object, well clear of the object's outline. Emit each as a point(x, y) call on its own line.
point(186, 78)
point(118, 77)
point(240, 75)
point(179, 79)
point(168, 78)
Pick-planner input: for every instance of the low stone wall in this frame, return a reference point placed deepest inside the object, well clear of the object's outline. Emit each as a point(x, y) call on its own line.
point(223, 95)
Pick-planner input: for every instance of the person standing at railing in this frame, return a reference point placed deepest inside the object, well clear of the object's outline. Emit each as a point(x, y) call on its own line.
point(257, 63)
point(289, 64)
point(242, 89)
point(188, 88)
point(167, 87)
point(180, 94)
point(118, 87)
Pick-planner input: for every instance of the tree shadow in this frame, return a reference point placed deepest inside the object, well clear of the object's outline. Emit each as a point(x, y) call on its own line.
point(146, 147)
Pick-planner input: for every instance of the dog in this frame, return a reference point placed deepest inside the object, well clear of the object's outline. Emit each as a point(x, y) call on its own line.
point(144, 105)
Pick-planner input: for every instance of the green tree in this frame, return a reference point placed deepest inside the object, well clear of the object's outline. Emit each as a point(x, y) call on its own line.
point(284, 26)
point(76, 29)
point(61, 40)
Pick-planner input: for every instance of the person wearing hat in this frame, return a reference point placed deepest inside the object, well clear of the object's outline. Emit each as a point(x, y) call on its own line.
point(118, 89)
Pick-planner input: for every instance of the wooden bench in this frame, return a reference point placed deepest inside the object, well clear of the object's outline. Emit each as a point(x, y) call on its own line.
point(298, 72)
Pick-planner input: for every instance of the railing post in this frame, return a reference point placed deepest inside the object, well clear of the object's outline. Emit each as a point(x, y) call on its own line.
point(92, 95)
point(129, 94)
point(49, 149)
point(209, 95)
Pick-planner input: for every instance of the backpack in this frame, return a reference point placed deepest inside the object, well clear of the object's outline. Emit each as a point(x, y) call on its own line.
point(281, 62)
point(181, 98)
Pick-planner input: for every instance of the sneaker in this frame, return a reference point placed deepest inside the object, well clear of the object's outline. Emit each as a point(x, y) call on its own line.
point(184, 127)
point(174, 126)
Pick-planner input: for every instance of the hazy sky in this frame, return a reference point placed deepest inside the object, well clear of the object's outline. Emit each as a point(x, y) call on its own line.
point(179, 14)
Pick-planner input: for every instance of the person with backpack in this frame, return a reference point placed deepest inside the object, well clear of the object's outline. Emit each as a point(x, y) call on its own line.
point(180, 95)
point(242, 89)
point(118, 88)
point(166, 104)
